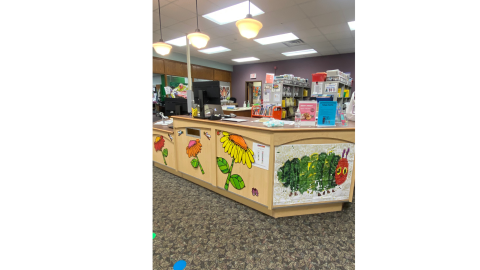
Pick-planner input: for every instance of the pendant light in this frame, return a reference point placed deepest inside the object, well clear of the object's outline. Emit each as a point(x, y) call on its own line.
point(161, 47)
point(198, 39)
point(249, 27)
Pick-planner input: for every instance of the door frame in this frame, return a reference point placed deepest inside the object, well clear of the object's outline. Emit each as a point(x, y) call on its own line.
point(246, 90)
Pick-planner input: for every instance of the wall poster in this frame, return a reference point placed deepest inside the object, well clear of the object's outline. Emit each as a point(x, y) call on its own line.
point(225, 92)
point(309, 173)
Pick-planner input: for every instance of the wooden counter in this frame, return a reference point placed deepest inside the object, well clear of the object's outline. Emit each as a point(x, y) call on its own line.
point(309, 170)
point(245, 112)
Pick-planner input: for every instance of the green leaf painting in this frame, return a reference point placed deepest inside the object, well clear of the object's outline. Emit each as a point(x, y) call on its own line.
point(309, 173)
point(223, 165)
point(194, 162)
point(237, 181)
point(165, 152)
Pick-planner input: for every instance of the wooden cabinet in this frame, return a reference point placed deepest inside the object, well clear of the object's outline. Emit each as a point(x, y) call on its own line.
point(176, 68)
point(170, 67)
point(200, 72)
point(222, 75)
point(158, 66)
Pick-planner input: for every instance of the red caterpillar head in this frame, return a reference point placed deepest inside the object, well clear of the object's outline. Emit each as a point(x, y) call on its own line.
point(341, 171)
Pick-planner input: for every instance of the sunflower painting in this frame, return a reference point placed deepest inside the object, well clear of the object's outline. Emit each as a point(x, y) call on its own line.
point(194, 147)
point(238, 149)
point(159, 144)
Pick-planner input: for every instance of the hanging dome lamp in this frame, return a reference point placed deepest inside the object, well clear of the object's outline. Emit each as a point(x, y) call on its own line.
point(249, 27)
point(161, 47)
point(197, 38)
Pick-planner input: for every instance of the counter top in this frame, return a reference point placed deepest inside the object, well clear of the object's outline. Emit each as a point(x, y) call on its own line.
point(258, 125)
point(239, 109)
point(163, 128)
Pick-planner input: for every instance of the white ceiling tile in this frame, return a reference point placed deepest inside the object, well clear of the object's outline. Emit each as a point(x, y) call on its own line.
point(268, 19)
point(214, 42)
point(345, 41)
point(235, 46)
point(273, 5)
point(202, 23)
point(336, 28)
point(301, 1)
point(225, 3)
point(236, 37)
point(331, 18)
point(182, 28)
point(299, 25)
point(162, 3)
point(315, 39)
point(349, 14)
point(307, 33)
point(331, 52)
point(208, 32)
point(272, 31)
point(345, 47)
point(155, 37)
point(289, 14)
point(174, 11)
point(248, 43)
point(321, 46)
point(169, 34)
point(339, 35)
point(318, 7)
point(204, 6)
point(226, 30)
point(346, 50)
point(166, 21)
point(346, 3)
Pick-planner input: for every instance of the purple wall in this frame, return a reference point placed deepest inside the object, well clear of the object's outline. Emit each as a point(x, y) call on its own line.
point(303, 67)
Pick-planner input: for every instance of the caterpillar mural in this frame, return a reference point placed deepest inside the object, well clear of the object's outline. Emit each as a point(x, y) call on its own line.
point(317, 173)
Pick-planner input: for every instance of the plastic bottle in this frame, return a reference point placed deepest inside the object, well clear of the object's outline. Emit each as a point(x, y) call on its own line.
point(297, 117)
point(244, 104)
point(248, 104)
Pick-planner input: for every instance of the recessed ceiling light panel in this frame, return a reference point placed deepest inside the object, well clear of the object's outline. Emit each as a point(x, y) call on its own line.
point(233, 13)
point(181, 41)
point(218, 49)
point(245, 59)
point(276, 39)
point(299, 52)
point(352, 25)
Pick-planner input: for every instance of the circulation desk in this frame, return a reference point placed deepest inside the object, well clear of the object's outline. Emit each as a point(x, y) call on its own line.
point(281, 171)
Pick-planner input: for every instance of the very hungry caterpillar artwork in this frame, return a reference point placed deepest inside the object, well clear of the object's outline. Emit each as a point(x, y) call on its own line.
point(312, 173)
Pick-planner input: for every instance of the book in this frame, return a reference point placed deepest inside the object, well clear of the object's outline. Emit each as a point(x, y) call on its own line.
point(308, 110)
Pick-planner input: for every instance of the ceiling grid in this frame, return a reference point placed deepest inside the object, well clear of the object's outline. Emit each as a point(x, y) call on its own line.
point(321, 24)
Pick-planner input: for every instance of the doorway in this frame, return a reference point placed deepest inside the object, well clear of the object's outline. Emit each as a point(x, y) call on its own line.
point(253, 92)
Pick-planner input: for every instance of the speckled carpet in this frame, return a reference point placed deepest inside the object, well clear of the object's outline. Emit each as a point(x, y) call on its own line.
point(210, 231)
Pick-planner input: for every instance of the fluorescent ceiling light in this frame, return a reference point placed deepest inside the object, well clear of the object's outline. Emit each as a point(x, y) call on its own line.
point(276, 39)
point(245, 59)
point(233, 13)
point(218, 49)
point(181, 41)
point(352, 25)
point(299, 52)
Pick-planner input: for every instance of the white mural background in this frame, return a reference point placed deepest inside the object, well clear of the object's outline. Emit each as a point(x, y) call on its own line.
point(288, 152)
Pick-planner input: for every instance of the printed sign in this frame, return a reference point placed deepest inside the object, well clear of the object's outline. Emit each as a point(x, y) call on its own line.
point(253, 76)
point(269, 78)
point(261, 155)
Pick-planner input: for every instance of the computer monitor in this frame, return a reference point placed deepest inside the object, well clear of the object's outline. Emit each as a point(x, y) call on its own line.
point(175, 106)
point(211, 93)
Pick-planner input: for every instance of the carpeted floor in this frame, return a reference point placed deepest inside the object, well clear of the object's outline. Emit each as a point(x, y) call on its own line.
point(210, 231)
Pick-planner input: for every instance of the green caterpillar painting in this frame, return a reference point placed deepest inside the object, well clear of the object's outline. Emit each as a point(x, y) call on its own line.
point(317, 173)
